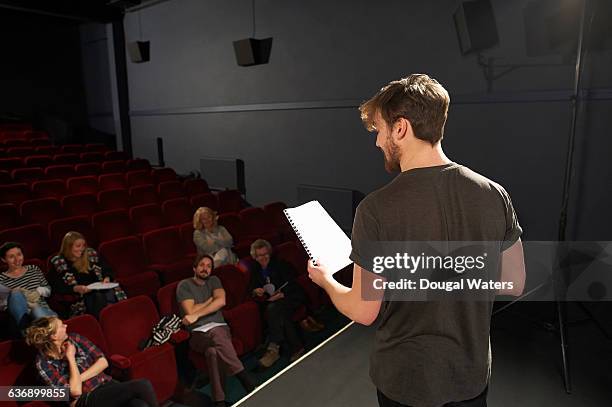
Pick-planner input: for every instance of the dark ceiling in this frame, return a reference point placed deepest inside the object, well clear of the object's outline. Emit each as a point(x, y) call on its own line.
point(75, 10)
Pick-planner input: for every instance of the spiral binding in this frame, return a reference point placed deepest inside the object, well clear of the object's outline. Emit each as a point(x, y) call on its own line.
point(299, 235)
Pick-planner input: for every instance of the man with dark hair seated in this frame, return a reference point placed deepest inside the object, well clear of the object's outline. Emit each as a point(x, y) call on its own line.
point(201, 299)
point(273, 285)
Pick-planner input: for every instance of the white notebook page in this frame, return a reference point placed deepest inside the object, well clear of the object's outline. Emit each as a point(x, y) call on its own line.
point(320, 235)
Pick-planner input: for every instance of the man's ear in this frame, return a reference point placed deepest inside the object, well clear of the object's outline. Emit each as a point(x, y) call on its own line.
point(401, 129)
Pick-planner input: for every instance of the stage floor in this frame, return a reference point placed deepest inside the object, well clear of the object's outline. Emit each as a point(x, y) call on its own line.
point(525, 370)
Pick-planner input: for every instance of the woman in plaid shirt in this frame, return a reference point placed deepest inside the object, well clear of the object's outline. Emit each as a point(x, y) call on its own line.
point(71, 360)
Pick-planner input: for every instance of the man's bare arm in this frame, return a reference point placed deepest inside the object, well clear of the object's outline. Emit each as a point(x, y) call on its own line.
point(349, 301)
point(513, 269)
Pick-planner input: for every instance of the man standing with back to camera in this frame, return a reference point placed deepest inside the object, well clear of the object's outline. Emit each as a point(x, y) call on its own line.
point(428, 353)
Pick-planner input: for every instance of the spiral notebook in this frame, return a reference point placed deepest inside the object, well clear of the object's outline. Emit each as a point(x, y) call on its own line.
point(321, 237)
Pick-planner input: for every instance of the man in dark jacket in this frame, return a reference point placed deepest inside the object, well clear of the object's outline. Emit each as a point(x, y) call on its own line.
point(273, 285)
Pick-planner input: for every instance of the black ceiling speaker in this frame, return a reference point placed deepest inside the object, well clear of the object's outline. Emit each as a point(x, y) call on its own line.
point(251, 51)
point(475, 25)
point(139, 51)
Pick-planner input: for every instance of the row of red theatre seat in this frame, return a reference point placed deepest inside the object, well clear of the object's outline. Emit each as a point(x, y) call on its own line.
point(21, 136)
point(174, 222)
point(44, 160)
point(54, 195)
point(16, 193)
point(44, 146)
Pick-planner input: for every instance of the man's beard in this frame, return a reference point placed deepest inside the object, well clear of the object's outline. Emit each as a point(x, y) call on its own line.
point(392, 157)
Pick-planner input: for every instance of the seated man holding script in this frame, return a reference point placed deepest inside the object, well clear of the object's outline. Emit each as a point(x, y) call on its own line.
point(201, 299)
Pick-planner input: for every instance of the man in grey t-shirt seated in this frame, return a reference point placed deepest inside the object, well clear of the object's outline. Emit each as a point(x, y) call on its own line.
point(201, 299)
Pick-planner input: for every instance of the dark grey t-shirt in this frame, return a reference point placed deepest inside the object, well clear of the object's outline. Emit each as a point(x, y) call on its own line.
point(433, 352)
point(189, 289)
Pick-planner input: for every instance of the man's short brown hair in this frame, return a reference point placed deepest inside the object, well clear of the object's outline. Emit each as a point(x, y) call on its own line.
point(417, 98)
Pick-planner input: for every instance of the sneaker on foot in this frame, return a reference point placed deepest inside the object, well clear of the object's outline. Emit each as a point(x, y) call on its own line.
point(270, 357)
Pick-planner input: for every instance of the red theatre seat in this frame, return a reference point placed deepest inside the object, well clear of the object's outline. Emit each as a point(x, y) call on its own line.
point(276, 214)
point(230, 201)
point(14, 193)
point(86, 325)
point(169, 190)
point(231, 222)
point(240, 312)
point(5, 177)
point(88, 169)
point(61, 171)
point(125, 325)
point(80, 204)
point(142, 194)
point(10, 164)
point(42, 210)
point(114, 166)
point(46, 149)
point(58, 229)
point(92, 157)
point(163, 175)
point(37, 161)
point(196, 186)
point(53, 188)
point(111, 181)
point(9, 216)
point(112, 224)
point(207, 200)
point(166, 254)
point(146, 217)
point(96, 147)
point(117, 198)
point(138, 164)
point(33, 239)
point(19, 151)
point(72, 148)
point(116, 156)
point(66, 158)
point(177, 211)
point(186, 232)
point(138, 177)
point(27, 175)
point(81, 185)
point(127, 260)
point(17, 367)
point(258, 224)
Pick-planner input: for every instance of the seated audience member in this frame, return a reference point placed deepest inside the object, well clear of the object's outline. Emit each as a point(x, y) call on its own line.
point(211, 238)
point(25, 286)
point(77, 266)
point(273, 285)
point(71, 360)
point(201, 299)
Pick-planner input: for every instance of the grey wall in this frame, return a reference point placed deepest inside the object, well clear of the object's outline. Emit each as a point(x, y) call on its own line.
point(294, 121)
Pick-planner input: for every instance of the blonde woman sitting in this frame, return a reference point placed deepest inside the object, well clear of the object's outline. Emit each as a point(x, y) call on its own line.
point(212, 239)
point(74, 362)
point(76, 267)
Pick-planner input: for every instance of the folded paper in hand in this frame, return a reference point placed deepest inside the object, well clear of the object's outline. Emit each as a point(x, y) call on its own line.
point(321, 237)
point(207, 327)
point(102, 286)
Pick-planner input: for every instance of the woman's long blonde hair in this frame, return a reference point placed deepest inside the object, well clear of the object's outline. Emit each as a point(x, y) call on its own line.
point(197, 223)
point(40, 333)
point(82, 263)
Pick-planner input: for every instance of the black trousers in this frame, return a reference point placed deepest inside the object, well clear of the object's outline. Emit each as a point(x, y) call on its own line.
point(280, 325)
point(478, 401)
point(133, 393)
